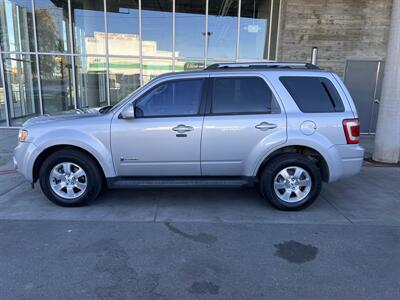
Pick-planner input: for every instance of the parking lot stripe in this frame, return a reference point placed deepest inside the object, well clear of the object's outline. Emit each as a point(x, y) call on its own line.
point(4, 172)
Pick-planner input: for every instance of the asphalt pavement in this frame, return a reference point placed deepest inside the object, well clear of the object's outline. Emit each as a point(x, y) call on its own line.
point(200, 243)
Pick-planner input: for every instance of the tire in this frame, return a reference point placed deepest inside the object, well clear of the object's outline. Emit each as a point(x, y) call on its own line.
point(72, 170)
point(282, 186)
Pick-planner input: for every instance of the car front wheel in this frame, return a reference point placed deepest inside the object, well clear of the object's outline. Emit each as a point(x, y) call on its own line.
point(70, 178)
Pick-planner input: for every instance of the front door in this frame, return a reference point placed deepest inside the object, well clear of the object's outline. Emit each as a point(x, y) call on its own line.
point(164, 137)
point(243, 121)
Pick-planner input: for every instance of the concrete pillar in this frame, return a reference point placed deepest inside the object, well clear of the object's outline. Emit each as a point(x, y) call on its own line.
point(387, 140)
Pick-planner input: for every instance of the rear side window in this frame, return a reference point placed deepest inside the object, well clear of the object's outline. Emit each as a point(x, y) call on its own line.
point(313, 94)
point(242, 95)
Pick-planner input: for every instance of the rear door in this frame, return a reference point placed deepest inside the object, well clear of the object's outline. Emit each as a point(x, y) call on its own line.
point(243, 121)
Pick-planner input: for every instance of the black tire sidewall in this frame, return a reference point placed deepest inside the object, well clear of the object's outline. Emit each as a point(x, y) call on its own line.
point(283, 161)
point(94, 179)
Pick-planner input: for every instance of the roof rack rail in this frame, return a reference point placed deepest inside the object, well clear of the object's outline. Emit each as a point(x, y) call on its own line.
point(262, 65)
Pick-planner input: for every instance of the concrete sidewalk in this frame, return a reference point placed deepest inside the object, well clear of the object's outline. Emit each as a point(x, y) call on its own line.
point(8, 178)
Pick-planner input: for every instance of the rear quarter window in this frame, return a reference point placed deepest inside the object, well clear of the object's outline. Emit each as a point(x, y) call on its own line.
point(313, 94)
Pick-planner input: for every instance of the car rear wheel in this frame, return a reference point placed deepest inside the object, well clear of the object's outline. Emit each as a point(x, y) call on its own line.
point(70, 178)
point(291, 181)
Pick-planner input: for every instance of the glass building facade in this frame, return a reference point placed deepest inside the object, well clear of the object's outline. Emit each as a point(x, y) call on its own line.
point(58, 55)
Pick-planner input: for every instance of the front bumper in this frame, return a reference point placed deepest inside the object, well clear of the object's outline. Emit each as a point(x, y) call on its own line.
point(24, 158)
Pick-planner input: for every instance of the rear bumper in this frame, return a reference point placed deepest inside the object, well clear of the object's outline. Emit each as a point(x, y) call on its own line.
point(346, 161)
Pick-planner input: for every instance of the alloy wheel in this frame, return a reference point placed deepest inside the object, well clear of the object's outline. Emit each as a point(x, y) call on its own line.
point(68, 180)
point(292, 184)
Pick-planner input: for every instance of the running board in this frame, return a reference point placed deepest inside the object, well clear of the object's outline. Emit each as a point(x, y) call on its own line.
point(179, 182)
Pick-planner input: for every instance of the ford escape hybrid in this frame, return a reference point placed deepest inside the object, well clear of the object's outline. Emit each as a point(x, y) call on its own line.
point(281, 127)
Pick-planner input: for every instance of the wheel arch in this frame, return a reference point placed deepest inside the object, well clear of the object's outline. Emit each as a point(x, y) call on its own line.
point(311, 153)
point(52, 149)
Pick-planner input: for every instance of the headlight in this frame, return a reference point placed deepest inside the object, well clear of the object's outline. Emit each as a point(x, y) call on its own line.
point(22, 135)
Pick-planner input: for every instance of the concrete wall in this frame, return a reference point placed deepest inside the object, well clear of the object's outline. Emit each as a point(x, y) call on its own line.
point(343, 29)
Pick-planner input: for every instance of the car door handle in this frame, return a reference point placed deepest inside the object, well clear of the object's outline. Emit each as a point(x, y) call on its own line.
point(265, 126)
point(182, 128)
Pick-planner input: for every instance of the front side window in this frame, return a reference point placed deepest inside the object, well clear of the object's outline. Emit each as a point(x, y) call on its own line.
point(313, 94)
point(172, 98)
point(242, 95)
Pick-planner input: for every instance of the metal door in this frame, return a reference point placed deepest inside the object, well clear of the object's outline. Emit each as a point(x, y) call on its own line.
point(153, 146)
point(363, 79)
point(163, 145)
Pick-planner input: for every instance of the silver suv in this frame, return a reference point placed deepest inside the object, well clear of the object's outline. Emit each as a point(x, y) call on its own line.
point(281, 127)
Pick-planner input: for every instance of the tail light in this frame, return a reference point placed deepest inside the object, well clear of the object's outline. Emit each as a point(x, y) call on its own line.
point(352, 130)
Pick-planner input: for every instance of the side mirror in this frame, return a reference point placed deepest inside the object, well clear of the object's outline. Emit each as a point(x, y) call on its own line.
point(128, 113)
